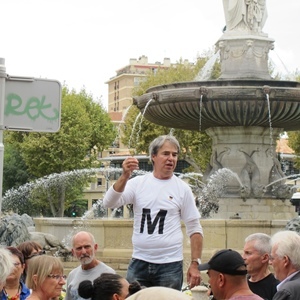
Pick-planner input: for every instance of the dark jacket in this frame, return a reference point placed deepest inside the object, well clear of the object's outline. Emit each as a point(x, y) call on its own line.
point(289, 290)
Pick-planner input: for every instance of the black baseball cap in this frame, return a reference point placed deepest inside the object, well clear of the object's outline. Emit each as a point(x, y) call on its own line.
point(225, 261)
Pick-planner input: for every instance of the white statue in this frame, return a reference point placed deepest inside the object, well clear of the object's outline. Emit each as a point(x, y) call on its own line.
point(241, 15)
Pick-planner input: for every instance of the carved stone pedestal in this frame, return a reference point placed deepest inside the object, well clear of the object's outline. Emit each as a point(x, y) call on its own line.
point(244, 56)
point(249, 152)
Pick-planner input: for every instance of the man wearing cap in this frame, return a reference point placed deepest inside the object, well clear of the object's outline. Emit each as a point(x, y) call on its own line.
point(227, 276)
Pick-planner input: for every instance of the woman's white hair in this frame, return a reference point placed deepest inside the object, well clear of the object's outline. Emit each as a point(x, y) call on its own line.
point(6, 265)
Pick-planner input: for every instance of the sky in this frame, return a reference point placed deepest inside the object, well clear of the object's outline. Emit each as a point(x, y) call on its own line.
point(82, 43)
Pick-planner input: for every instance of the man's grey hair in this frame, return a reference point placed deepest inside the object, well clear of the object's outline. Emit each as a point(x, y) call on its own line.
point(6, 264)
point(159, 142)
point(287, 243)
point(83, 232)
point(262, 242)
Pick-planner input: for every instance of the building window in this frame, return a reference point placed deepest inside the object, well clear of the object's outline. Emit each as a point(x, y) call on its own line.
point(99, 181)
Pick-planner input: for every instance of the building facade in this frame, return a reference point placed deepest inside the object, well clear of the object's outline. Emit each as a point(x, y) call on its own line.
point(128, 77)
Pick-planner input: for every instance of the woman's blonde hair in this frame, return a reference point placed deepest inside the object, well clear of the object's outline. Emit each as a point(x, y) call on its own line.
point(42, 267)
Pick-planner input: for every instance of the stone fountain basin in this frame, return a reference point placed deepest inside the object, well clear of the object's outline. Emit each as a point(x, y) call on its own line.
point(223, 103)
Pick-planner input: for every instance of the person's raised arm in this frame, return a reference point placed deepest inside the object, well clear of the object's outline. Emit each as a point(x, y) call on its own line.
point(129, 165)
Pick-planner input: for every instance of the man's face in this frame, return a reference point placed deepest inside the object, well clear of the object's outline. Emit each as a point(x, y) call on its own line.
point(278, 264)
point(84, 249)
point(165, 161)
point(15, 275)
point(215, 282)
point(253, 258)
point(124, 290)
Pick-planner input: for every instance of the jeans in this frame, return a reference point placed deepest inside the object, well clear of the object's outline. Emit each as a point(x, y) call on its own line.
point(150, 274)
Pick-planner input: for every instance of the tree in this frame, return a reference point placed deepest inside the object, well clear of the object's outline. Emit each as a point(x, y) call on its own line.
point(14, 168)
point(139, 132)
point(84, 124)
point(294, 143)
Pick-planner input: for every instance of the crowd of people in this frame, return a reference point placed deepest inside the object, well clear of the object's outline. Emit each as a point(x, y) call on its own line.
point(268, 268)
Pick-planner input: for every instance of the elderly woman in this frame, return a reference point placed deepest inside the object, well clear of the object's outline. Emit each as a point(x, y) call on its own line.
point(6, 265)
point(14, 288)
point(45, 277)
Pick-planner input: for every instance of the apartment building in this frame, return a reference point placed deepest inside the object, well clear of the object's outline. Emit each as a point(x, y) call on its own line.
point(120, 86)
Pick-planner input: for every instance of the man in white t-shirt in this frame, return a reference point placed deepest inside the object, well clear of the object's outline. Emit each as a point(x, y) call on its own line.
point(84, 249)
point(160, 201)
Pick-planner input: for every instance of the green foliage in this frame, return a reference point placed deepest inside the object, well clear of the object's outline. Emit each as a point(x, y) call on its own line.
point(216, 70)
point(14, 169)
point(294, 143)
point(77, 209)
point(139, 132)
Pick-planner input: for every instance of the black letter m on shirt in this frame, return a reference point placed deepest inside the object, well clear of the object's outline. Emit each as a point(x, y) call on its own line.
point(151, 226)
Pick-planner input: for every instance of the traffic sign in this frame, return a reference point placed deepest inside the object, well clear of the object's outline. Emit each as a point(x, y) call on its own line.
point(32, 104)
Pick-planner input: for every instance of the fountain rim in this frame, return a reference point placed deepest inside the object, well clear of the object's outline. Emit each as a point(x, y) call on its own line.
point(213, 90)
point(217, 97)
point(227, 82)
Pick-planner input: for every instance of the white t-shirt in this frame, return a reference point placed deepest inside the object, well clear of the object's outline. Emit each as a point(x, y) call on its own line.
point(159, 206)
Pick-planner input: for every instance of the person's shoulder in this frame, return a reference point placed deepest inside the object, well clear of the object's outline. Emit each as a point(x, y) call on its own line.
point(104, 266)
point(24, 289)
point(246, 297)
point(273, 279)
point(292, 283)
point(178, 179)
point(74, 271)
point(290, 289)
point(139, 178)
point(32, 297)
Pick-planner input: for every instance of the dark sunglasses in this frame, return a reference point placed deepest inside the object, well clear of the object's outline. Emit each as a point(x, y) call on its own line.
point(42, 252)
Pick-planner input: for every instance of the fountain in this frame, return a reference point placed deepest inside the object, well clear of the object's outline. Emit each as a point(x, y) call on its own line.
point(243, 111)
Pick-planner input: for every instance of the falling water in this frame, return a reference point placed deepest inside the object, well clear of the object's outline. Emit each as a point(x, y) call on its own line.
point(172, 130)
point(205, 72)
point(117, 138)
point(270, 120)
point(133, 129)
point(280, 67)
point(200, 112)
point(140, 125)
point(208, 196)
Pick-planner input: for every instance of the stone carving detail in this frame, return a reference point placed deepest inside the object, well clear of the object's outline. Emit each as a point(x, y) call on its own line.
point(243, 15)
point(215, 164)
point(14, 231)
point(250, 177)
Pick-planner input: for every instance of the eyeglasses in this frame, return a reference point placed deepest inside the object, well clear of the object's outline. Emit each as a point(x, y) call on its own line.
point(42, 252)
point(58, 277)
